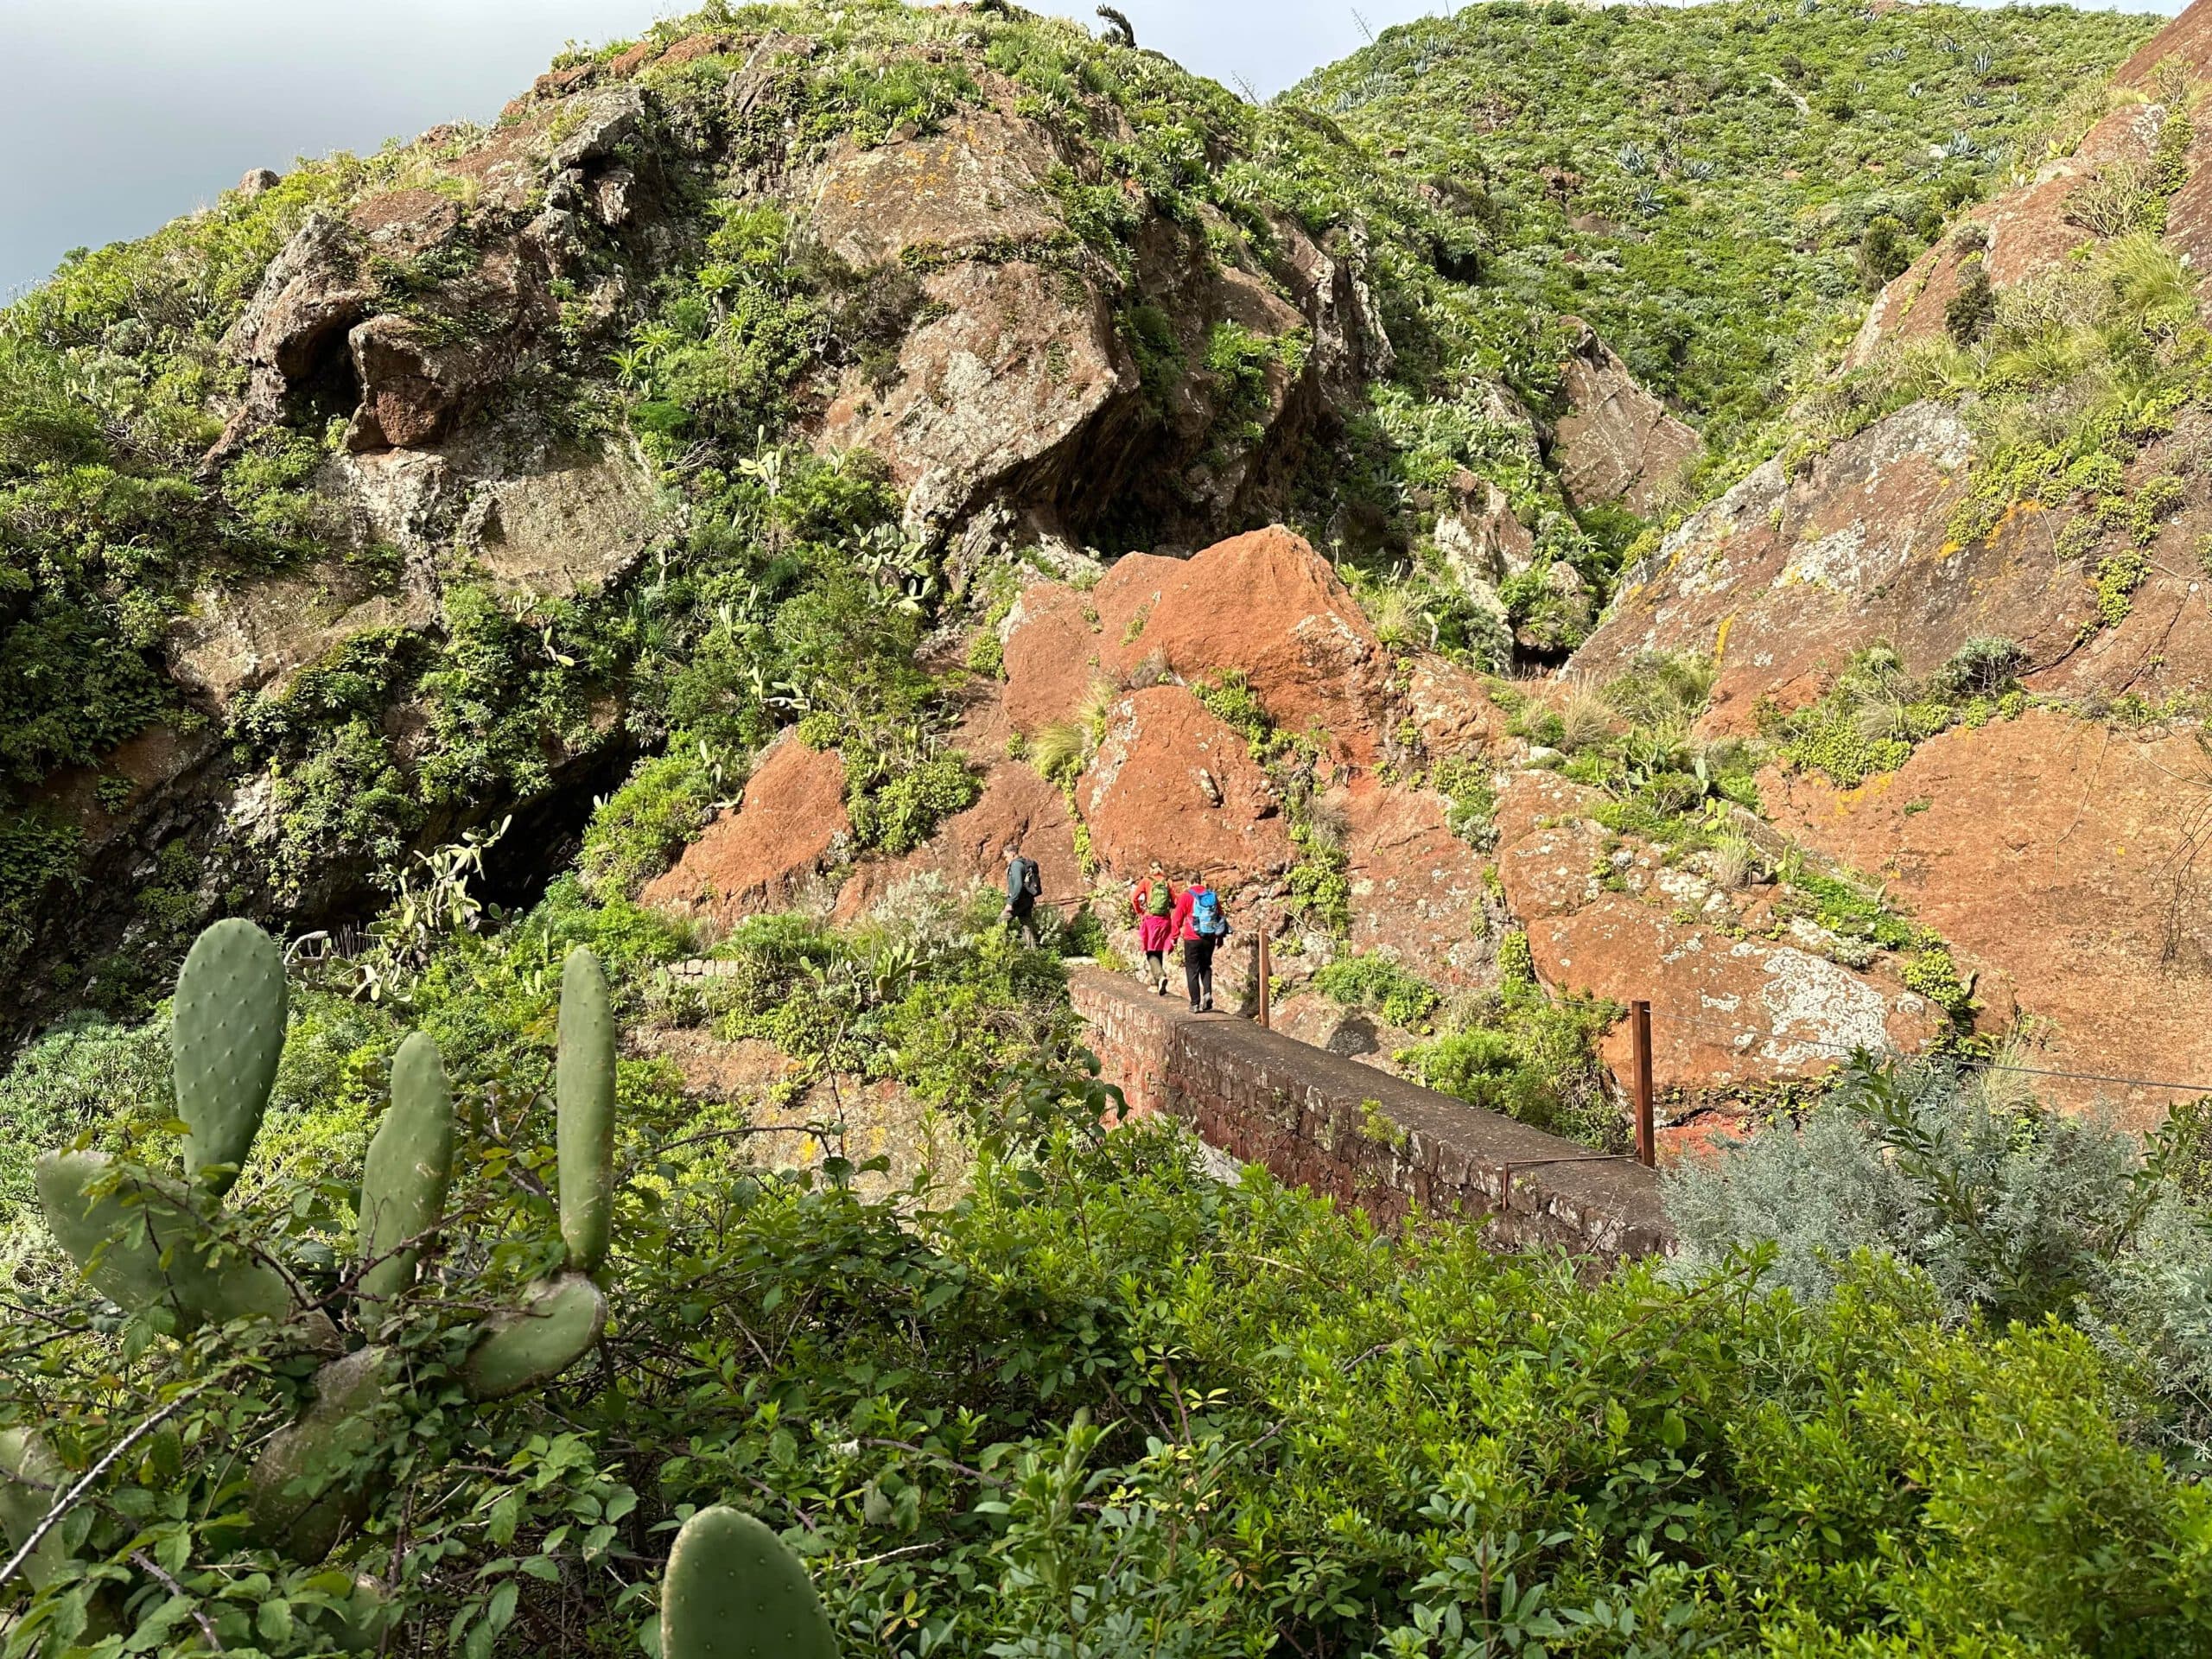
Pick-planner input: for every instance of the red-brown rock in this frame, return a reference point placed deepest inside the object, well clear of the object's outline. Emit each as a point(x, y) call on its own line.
point(1416, 888)
point(2065, 856)
point(784, 832)
point(1052, 656)
point(1616, 441)
point(1729, 1013)
point(1172, 782)
point(1264, 604)
point(1017, 806)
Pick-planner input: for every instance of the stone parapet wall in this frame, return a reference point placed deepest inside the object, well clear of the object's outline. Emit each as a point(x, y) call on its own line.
point(1361, 1136)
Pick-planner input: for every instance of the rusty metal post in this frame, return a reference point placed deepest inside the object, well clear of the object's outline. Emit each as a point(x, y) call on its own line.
point(1264, 1010)
point(1639, 1029)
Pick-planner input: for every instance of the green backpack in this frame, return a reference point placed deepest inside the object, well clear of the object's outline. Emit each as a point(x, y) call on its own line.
point(1161, 900)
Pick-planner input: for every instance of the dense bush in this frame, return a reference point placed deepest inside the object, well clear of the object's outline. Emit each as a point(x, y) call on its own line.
point(2014, 1212)
point(1098, 1399)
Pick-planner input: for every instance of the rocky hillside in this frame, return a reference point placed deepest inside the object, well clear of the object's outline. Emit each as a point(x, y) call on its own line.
point(395, 500)
point(764, 467)
point(1716, 189)
point(1962, 609)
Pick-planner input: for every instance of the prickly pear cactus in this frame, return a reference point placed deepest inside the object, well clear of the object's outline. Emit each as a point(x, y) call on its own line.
point(147, 1243)
point(227, 1037)
point(31, 1478)
point(143, 1244)
point(408, 1171)
point(584, 1093)
point(734, 1592)
point(558, 1322)
point(299, 1503)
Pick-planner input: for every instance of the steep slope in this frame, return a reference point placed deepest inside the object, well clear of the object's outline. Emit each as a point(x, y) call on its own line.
point(1964, 606)
point(1714, 186)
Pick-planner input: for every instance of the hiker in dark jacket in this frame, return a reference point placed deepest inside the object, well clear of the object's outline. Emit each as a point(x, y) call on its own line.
point(1154, 902)
point(1203, 924)
point(1024, 883)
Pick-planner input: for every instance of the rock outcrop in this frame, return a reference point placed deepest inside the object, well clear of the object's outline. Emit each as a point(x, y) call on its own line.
point(759, 857)
point(1616, 441)
point(2068, 861)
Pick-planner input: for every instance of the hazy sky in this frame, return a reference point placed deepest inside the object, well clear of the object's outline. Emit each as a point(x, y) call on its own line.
point(118, 115)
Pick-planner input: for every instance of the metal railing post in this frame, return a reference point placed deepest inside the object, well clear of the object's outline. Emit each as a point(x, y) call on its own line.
point(1265, 1011)
point(1639, 1027)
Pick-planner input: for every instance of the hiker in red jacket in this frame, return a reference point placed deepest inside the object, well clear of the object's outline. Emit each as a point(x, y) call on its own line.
point(1154, 902)
point(1201, 924)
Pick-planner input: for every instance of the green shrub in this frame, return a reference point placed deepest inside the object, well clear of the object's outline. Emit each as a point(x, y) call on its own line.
point(1378, 984)
point(898, 815)
point(640, 830)
point(1472, 815)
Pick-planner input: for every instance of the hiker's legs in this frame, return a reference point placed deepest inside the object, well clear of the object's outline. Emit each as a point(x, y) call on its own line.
point(1155, 970)
point(1023, 914)
point(1197, 973)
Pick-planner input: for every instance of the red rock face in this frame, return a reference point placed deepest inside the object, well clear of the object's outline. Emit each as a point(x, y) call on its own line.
point(1018, 807)
point(756, 858)
point(1732, 1009)
point(1265, 605)
point(1172, 782)
point(2062, 859)
point(1052, 656)
point(2188, 38)
point(1417, 888)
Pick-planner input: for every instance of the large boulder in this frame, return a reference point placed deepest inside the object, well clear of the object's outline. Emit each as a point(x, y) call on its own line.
point(1172, 782)
point(1264, 606)
point(1735, 1010)
point(1616, 441)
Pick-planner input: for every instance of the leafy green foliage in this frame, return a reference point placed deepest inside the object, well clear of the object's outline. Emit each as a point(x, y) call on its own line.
point(1379, 984)
point(1100, 1397)
point(643, 825)
point(2014, 1210)
point(1523, 1052)
point(1872, 718)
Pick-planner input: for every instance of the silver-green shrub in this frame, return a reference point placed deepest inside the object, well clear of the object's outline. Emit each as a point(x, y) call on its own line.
point(2010, 1209)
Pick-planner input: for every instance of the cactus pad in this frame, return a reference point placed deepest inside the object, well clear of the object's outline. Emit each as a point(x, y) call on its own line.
point(227, 1036)
point(734, 1592)
point(408, 1168)
point(296, 1508)
point(31, 1478)
point(559, 1320)
point(143, 1246)
point(584, 1091)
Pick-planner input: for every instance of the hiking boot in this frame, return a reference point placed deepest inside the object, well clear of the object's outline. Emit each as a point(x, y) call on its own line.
point(1208, 1007)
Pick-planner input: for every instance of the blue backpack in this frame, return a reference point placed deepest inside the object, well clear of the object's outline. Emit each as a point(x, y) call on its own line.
point(1206, 916)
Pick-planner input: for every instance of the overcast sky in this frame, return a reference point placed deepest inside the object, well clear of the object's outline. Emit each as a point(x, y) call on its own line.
point(118, 115)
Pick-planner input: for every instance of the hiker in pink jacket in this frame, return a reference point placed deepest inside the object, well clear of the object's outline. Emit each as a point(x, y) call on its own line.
point(1154, 902)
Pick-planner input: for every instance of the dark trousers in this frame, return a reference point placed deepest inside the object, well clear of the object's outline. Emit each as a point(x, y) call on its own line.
point(1198, 972)
point(1021, 914)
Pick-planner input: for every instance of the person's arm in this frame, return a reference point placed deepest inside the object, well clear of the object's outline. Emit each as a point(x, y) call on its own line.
point(1182, 917)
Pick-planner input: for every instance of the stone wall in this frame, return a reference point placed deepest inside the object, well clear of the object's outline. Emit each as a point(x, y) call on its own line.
point(1361, 1136)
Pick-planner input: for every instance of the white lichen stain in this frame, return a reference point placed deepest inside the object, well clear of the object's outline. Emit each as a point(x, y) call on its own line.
point(1817, 1012)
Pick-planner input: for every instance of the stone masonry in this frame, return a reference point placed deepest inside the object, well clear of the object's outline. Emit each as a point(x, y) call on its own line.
point(1361, 1136)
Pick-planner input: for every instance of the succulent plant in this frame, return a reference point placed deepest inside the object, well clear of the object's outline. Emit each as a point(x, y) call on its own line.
point(733, 1591)
point(153, 1244)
